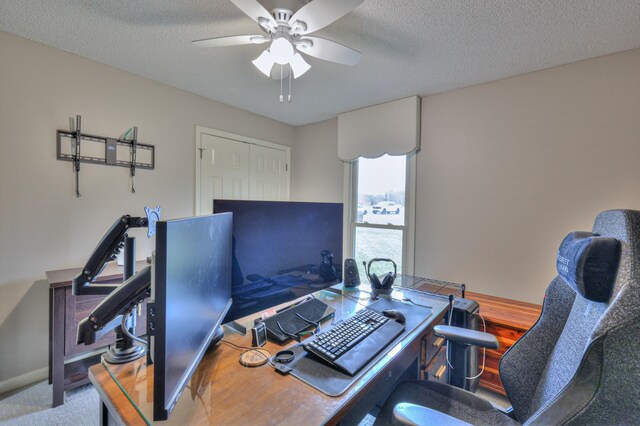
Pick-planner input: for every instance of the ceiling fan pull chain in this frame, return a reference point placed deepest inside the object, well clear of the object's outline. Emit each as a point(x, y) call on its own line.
point(281, 96)
point(289, 97)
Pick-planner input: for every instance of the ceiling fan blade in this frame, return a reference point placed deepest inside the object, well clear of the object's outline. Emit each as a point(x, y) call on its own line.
point(329, 50)
point(320, 13)
point(298, 65)
point(231, 41)
point(254, 10)
point(264, 62)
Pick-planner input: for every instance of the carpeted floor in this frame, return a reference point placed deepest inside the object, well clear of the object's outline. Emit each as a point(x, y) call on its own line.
point(31, 406)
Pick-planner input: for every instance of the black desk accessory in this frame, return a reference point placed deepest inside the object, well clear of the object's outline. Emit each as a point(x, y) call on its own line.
point(351, 274)
point(380, 285)
point(395, 314)
point(258, 335)
point(351, 343)
point(334, 382)
point(291, 321)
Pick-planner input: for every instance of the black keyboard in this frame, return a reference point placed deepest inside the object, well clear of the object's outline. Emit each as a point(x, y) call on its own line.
point(257, 285)
point(350, 344)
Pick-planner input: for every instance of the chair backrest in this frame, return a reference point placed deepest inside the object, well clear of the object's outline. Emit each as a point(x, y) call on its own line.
point(580, 363)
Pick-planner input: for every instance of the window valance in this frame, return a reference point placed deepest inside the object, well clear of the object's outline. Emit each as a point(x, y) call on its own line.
point(390, 128)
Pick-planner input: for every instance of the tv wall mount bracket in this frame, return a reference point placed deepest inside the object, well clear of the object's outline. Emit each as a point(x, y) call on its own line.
point(104, 151)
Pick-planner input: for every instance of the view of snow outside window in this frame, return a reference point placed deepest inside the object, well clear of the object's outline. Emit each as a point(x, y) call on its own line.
point(381, 201)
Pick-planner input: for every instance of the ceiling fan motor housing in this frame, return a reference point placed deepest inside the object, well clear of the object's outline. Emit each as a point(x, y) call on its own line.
point(282, 16)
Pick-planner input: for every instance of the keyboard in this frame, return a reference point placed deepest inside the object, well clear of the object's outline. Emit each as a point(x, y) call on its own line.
point(297, 318)
point(251, 287)
point(350, 344)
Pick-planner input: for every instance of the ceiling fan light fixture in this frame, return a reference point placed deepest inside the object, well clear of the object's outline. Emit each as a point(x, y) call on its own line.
point(282, 51)
point(298, 65)
point(264, 63)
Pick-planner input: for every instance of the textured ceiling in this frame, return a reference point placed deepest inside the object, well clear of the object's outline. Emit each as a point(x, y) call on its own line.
point(409, 46)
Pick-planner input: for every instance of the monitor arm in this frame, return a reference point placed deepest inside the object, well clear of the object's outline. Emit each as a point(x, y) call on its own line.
point(128, 294)
point(108, 249)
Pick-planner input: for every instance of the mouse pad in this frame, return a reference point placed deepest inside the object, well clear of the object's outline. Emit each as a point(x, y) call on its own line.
point(333, 382)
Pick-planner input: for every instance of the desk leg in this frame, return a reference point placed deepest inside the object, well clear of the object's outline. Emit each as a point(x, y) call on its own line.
point(56, 370)
point(50, 333)
point(104, 414)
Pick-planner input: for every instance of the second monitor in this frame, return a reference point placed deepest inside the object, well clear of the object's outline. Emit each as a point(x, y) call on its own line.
point(281, 250)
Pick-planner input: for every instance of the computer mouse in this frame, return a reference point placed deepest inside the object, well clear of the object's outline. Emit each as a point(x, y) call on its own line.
point(396, 315)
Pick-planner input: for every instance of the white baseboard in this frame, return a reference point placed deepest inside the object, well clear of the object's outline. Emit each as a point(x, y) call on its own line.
point(23, 380)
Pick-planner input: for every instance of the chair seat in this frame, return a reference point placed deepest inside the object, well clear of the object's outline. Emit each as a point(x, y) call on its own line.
point(446, 399)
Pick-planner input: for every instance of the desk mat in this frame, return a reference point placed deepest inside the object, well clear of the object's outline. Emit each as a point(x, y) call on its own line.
point(332, 382)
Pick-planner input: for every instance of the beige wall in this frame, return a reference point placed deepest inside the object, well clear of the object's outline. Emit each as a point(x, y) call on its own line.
point(316, 171)
point(508, 168)
point(42, 225)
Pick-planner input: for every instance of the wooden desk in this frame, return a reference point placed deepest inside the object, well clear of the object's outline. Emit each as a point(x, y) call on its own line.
point(65, 312)
point(223, 392)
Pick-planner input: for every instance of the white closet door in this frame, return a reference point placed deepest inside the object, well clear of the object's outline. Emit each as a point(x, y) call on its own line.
point(224, 171)
point(268, 177)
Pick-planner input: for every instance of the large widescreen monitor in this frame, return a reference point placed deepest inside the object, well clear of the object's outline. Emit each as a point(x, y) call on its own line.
point(191, 294)
point(281, 250)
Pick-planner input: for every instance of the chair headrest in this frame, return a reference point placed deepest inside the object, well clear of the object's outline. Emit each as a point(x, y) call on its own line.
point(589, 263)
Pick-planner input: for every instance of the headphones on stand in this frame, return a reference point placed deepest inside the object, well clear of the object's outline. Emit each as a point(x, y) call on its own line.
point(380, 285)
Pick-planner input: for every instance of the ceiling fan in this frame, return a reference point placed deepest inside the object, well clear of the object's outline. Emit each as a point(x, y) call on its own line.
point(287, 32)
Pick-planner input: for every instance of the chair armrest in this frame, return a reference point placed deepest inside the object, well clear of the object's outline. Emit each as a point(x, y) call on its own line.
point(416, 415)
point(467, 337)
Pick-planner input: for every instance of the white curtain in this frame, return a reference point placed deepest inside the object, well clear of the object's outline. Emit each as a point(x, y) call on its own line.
point(390, 128)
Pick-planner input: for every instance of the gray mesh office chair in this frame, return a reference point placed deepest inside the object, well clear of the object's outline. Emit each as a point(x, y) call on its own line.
point(579, 364)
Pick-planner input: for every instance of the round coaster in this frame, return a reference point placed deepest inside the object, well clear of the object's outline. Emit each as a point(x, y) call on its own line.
point(254, 357)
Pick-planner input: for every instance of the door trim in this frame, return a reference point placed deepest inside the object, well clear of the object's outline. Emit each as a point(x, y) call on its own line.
point(200, 130)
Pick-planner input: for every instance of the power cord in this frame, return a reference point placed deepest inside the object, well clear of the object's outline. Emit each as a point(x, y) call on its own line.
point(126, 331)
point(484, 351)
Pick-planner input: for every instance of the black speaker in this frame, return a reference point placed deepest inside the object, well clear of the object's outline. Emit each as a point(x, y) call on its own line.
point(351, 274)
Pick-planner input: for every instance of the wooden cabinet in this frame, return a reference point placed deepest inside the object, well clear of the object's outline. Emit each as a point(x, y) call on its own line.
point(68, 361)
point(508, 320)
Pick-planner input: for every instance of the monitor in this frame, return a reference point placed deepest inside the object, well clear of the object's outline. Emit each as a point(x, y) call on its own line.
point(281, 251)
point(191, 294)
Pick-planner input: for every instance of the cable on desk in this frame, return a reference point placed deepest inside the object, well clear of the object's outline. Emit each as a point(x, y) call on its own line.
point(308, 321)
point(406, 299)
point(355, 299)
point(293, 336)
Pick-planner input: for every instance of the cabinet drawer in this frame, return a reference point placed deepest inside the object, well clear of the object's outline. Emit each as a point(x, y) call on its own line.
point(437, 370)
point(431, 346)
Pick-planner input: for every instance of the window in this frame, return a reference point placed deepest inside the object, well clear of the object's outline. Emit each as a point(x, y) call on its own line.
point(381, 205)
